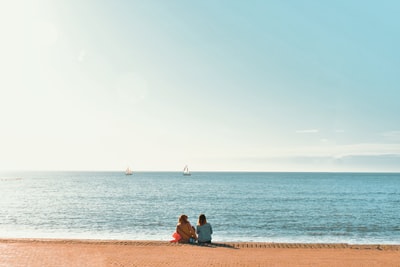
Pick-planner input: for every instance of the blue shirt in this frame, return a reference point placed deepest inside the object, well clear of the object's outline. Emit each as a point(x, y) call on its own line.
point(204, 232)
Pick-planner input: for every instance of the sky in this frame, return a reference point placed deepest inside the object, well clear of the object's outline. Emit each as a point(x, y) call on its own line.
point(217, 85)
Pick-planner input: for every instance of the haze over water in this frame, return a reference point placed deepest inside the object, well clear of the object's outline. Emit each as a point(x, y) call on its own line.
point(215, 84)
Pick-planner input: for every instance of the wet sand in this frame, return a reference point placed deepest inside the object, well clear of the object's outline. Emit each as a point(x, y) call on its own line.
point(50, 252)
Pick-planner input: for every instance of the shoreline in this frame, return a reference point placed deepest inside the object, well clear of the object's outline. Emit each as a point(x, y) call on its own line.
point(83, 252)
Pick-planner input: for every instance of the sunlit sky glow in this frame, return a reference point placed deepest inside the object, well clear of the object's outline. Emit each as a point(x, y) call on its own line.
point(218, 85)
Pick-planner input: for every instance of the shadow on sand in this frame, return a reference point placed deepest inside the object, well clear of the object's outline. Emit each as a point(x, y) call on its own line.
point(216, 245)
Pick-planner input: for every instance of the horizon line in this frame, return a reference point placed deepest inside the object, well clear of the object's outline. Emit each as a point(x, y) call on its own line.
point(203, 171)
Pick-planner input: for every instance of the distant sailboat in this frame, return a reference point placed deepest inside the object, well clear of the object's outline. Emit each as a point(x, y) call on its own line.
point(128, 171)
point(186, 171)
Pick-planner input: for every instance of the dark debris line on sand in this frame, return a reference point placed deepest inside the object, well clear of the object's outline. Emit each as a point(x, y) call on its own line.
point(233, 245)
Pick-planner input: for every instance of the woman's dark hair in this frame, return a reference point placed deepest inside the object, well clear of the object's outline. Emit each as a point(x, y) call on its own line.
point(202, 219)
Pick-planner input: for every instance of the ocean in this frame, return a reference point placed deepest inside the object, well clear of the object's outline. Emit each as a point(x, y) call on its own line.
point(361, 208)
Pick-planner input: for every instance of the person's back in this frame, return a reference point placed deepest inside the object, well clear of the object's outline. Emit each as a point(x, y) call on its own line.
point(185, 230)
point(204, 230)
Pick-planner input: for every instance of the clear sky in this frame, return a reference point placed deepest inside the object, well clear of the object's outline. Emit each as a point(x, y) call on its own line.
point(218, 85)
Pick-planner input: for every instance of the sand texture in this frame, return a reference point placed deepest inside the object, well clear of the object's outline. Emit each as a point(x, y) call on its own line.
point(42, 252)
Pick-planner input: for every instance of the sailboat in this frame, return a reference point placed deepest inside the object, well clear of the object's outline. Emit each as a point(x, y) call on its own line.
point(128, 171)
point(186, 171)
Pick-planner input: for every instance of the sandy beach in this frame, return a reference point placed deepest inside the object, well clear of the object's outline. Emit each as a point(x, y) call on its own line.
point(49, 252)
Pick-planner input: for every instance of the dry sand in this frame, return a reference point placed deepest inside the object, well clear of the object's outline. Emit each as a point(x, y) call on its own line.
point(42, 252)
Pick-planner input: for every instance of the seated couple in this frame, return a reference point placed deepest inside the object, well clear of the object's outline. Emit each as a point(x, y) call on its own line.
point(188, 234)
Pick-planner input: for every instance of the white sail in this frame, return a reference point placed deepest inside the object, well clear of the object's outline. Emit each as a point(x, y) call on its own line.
point(128, 171)
point(186, 170)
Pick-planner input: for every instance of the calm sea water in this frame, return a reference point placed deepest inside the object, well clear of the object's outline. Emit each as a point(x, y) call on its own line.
point(270, 207)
